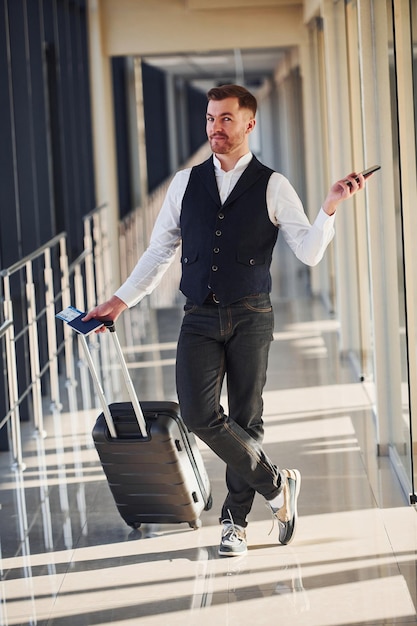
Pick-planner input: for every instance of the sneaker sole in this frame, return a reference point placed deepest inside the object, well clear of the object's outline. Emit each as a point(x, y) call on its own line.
point(226, 553)
point(297, 493)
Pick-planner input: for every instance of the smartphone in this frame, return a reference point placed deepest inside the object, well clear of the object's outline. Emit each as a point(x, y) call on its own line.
point(368, 172)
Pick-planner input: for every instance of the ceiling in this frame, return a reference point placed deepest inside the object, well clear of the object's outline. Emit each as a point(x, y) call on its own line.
point(203, 70)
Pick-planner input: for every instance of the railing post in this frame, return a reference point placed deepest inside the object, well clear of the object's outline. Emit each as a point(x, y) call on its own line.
point(89, 265)
point(51, 332)
point(103, 269)
point(71, 381)
point(84, 375)
point(35, 369)
point(12, 380)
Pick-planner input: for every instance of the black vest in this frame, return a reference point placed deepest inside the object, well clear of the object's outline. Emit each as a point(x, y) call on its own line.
point(226, 249)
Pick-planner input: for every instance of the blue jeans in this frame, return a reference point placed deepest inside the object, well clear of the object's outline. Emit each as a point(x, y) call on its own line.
point(231, 341)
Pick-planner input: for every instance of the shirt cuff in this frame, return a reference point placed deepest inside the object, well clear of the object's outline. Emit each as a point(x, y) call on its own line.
point(129, 294)
point(324, 221)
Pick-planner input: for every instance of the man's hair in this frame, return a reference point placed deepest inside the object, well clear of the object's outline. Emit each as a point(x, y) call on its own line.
point(245, 98)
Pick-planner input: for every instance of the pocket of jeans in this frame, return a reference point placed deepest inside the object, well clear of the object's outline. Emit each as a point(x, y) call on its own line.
point(258, 304)
point(189, 307)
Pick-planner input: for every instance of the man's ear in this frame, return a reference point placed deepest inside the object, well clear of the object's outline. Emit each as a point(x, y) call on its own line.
point(251, 125)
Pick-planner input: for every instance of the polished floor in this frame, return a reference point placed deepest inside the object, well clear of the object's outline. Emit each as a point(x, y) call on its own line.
point(67, 558)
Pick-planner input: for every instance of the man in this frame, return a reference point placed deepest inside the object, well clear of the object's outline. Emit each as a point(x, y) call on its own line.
point(226, 212)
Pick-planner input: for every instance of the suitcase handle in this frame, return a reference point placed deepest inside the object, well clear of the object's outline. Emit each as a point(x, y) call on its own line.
point(128, 381)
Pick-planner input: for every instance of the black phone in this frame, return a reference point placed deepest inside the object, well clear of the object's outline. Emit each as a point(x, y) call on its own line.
point(368, 172)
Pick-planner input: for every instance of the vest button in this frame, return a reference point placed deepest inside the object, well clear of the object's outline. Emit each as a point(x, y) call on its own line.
point(252, 262)
point(214, 268)
point(221, 216)
point(218, 233)
point(186, 260)
point(216, 250)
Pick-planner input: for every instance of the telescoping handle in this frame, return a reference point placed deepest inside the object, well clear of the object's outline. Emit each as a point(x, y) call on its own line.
point(129, 384)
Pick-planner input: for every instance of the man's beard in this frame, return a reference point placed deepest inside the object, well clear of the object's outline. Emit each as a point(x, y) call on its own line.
point(220, 147)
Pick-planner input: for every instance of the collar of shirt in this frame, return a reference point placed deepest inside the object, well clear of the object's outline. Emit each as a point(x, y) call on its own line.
point(227, 180)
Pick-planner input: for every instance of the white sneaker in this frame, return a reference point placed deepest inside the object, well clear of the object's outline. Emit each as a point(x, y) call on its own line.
point(233, 541)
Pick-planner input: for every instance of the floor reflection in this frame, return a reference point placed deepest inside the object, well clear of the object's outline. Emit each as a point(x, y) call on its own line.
point(68, 558)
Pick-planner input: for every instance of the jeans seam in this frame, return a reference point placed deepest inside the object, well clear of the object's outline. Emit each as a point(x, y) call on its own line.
point(248, 306)
point(219, 384)
point(229, 323)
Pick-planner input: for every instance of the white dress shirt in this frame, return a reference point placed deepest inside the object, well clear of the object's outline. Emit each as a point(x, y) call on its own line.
point(307, 241)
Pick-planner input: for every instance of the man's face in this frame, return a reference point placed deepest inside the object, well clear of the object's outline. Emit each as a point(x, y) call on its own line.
point(228, 126)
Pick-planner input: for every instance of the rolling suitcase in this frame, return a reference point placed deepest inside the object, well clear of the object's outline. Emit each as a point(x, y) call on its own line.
point(152, 462)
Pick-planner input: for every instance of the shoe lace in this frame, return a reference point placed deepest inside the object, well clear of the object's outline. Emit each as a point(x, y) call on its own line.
point(273, 516)
point(231, 531)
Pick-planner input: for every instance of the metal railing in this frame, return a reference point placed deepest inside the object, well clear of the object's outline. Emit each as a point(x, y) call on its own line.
point(42, 355)
point(44, 364)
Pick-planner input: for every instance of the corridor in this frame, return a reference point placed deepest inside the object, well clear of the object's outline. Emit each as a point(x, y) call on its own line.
point(69, 559)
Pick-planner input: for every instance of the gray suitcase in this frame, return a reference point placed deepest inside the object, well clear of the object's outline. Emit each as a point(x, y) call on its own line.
point(152, 462)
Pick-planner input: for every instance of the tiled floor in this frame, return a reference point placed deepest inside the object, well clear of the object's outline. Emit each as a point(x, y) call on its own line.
point(68, 558)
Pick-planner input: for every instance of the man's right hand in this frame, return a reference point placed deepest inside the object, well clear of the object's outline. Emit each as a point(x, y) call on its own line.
point(109, 310)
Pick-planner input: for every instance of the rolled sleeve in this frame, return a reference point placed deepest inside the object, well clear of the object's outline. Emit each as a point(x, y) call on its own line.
point(307, 241)
point(164, 242)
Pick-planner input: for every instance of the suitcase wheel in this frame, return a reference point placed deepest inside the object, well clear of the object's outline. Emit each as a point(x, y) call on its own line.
point(135, 525)
point(196, 524)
